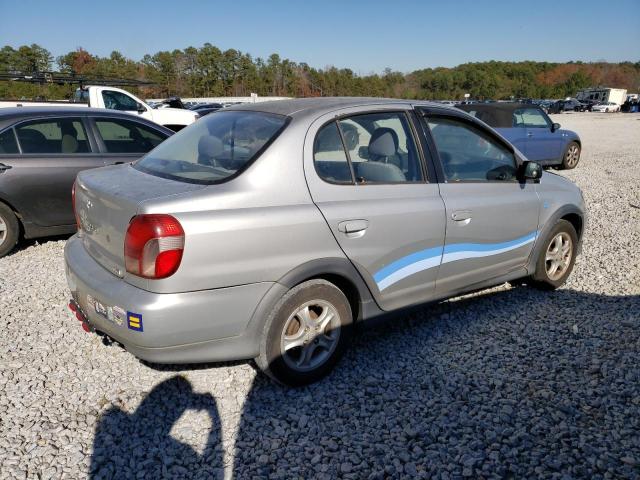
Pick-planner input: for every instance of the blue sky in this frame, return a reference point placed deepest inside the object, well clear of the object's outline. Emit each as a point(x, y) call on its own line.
point(366, 36)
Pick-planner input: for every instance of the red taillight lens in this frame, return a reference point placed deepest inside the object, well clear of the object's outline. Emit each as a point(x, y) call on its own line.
point(153, 246)
point(73, 202)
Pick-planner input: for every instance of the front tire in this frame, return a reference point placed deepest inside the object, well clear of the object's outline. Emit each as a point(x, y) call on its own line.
point(556, 259)
point(306, 334)
point(571, 156)
point(9, 230)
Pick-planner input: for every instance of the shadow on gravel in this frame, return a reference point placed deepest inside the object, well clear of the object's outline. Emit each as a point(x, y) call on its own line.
point(139, 445)
point(514, 384)
point(23, 243)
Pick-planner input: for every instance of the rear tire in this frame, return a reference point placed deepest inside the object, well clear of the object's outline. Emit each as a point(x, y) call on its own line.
point(571, 156)
point(306, 333)
point(9, 230)
point(557, 257)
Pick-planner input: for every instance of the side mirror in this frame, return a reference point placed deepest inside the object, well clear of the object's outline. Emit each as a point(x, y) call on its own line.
point(555, 126)
point(141, 108)
point(530, 171)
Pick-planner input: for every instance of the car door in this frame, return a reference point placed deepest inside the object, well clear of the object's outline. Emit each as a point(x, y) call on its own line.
point(543, 142)
point(125, 140)
point(491, 218)
point(367, 175)
point(51, 152)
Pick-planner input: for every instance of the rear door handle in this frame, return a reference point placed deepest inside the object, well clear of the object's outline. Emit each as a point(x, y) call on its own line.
point(461, 216)
point(353, 226)
point(4, 167)
point(529, 134)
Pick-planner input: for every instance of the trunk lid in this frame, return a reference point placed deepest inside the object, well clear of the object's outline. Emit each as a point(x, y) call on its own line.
point(106, 200)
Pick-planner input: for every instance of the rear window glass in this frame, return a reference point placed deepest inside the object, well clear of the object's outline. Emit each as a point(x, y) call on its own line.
point(215, 148)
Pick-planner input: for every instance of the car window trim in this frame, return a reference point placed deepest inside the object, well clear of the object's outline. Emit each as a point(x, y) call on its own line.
point(338, 118)
point(15, 138)
point(437, 113)
point(80, 118)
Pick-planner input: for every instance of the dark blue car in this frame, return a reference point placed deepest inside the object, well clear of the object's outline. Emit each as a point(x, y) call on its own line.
point(531, 131)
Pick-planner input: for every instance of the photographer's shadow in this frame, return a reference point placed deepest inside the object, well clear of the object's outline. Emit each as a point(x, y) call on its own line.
point(139, 445)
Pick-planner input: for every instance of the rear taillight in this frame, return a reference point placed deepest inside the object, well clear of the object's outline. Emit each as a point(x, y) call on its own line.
point(73, 202)
point(153, 246)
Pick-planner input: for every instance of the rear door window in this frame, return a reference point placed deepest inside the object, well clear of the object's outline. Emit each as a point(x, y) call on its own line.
point(59, 135)
point(329, 156)
point(126, 136)
point(379, 148)
point(215, 148)
point(8, 142)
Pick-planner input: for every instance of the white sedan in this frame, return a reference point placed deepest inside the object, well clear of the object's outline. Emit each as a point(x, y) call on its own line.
point(606, 107)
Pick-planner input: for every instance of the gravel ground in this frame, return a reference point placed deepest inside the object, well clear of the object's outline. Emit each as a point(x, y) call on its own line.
point(507, 383)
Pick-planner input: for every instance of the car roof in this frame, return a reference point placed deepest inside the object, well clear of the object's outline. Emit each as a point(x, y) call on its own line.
point(45, 111)
point(320, 105)
point(9, 115)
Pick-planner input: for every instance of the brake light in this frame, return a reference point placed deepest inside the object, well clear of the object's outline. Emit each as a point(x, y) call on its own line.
point(153, 246)
point(73, 202)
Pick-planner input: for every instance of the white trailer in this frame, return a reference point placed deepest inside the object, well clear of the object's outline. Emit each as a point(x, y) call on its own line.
point(603, 94)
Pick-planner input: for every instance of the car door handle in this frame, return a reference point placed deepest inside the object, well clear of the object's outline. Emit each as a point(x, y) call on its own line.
point(529, 134)
point(461, 216)
point(4, 167)
point(353, 226)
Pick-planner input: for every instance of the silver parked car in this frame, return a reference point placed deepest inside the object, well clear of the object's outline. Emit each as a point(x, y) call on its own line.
point(266, 231)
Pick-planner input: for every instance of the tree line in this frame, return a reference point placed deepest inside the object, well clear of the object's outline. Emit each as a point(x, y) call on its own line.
point(210, 72)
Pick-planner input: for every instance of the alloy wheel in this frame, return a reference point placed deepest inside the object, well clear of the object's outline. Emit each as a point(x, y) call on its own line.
point(558, 256)
point(3, 230)
point(310, 335)
point(573, 154)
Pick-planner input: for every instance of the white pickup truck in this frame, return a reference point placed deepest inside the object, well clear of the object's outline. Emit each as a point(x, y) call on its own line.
point(117, 99)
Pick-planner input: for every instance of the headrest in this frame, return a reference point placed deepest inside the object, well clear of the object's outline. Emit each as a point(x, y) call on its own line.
point(383, 143)
point(69, 144)
point(209, 146)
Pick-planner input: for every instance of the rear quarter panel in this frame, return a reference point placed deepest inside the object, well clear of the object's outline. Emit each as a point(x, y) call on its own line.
point(254, 228)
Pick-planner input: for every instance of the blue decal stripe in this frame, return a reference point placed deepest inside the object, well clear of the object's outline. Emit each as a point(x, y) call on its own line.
point(433, 257)
point(405, 261)
point(485, 247)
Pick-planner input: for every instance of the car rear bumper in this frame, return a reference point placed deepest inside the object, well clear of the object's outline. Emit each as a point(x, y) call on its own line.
point(201, 326)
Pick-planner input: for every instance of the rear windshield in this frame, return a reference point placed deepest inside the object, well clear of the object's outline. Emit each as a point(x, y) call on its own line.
point(215, 148)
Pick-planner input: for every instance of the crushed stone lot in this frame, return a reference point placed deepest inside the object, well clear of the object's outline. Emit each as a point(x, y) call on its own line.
point(510, 382)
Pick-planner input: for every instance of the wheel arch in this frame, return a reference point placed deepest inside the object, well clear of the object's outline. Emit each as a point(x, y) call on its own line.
point(569, 213)
point(16, 212)
point(343, 275)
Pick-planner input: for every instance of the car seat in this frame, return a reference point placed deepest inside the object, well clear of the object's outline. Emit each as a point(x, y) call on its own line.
point(383, 155)
point(69, 143)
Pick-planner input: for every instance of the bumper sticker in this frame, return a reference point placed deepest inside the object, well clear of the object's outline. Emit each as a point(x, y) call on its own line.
point(134, 321)
point(119, 315)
